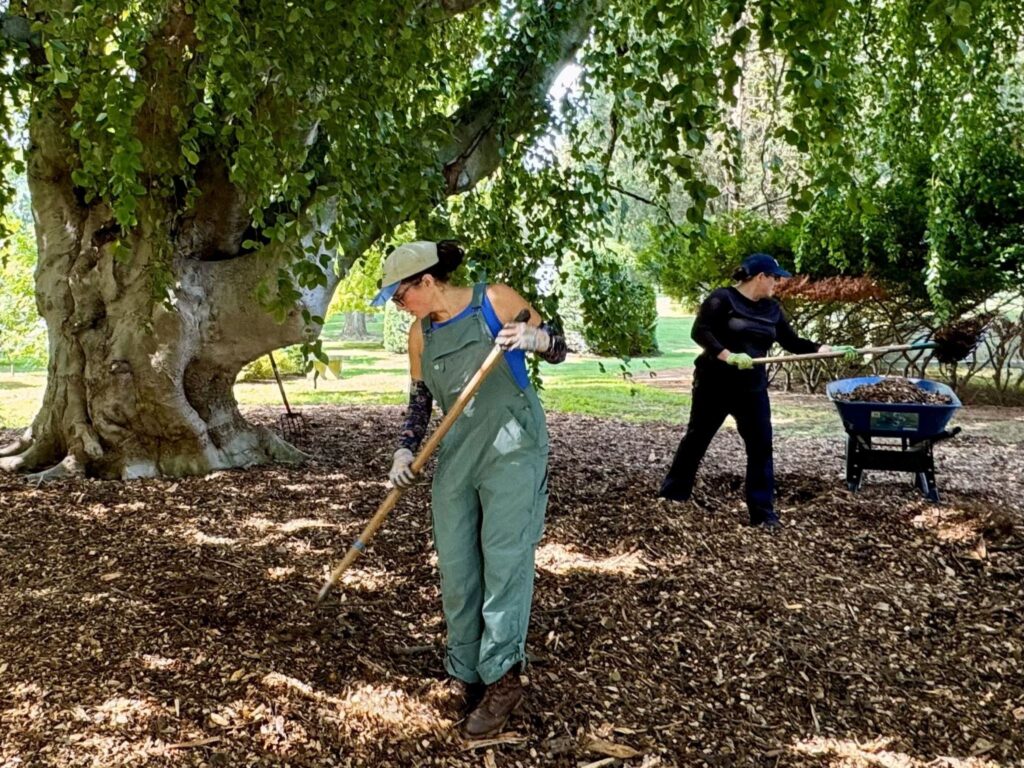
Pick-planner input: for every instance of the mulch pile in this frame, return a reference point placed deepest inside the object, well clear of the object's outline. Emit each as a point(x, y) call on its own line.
point(173, 622)
point(894, 389)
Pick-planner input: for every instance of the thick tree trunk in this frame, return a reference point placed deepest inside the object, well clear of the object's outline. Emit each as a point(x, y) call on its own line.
point(136, 388)
point(355, 326)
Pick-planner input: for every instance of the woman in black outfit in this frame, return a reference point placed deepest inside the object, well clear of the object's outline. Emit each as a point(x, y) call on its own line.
point(735, 325)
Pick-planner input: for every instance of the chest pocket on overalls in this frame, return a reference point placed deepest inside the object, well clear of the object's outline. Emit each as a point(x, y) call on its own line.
point(452, 368)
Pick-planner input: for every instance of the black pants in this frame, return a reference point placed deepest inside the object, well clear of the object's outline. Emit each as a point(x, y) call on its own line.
point(752, 411)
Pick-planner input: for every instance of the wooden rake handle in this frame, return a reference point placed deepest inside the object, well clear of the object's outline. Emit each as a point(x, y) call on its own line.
point(418, 463)
point(826, 355)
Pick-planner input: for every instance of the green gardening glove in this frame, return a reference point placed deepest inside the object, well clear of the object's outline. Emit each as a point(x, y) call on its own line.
point(850, 354)
point(741, 360)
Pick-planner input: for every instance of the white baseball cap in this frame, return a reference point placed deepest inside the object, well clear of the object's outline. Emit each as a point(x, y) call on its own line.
point(403, 262)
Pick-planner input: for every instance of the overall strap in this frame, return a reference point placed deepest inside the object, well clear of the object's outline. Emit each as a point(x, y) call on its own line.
point(479, 291)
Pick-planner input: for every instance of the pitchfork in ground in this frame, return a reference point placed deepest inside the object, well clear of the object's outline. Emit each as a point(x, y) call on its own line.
point(291, 426)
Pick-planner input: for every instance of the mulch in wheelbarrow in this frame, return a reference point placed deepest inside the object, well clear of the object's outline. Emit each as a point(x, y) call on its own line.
point(894, 389)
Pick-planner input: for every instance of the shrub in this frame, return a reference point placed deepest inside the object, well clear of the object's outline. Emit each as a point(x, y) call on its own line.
point(605, 305)
point(396, 329)
point(22, 332)
point(289, 363)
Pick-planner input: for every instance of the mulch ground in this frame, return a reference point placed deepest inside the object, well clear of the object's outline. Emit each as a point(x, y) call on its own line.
point(174, 622)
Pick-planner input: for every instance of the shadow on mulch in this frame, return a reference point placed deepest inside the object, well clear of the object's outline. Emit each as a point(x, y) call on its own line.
point(174, 623)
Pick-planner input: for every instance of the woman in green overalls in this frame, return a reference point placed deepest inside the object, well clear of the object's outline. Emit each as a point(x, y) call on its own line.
point(489, 492)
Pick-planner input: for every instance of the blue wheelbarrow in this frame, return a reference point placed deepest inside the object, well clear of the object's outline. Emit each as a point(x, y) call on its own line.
point(895, 437)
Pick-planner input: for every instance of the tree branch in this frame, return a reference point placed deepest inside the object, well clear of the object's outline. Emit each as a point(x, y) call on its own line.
point(647, 201)
point(16, 30)
point(482, 127)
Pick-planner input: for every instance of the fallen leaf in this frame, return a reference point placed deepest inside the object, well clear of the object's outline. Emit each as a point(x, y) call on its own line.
point(610, 748)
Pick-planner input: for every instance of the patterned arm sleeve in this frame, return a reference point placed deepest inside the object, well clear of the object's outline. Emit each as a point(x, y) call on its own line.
point(417, 417)
point(557, 349)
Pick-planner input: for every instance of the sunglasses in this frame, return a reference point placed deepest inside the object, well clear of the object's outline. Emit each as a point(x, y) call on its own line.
point(399, 296)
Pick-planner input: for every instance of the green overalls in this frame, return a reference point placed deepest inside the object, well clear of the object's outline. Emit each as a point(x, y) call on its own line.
point(489, 496)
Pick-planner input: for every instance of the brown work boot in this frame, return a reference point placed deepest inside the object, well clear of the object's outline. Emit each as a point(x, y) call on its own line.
point(462, 696)
point(489, 716)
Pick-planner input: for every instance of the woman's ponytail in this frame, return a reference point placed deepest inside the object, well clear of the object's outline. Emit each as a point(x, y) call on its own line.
point(449, 257)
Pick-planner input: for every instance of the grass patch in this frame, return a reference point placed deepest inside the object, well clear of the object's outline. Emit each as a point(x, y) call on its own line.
point(20, 398)
point(617, 400)
point(373, 376)
point(678, 350)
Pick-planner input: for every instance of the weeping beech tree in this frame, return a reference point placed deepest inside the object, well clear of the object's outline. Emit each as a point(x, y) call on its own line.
point(203, 172)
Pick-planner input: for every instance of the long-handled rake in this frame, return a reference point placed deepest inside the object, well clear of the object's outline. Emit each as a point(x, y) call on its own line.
point(292, 425)
point(359, 546)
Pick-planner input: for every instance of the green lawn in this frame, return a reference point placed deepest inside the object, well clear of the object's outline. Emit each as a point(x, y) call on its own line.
point(612, 388)
point(335, 324)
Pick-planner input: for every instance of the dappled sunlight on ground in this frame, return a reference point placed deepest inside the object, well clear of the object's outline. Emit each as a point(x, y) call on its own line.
point(374, 712)
point(203, 538)
point(965, 520)
point(174, 622)
point(367, 578)
point(885, 753)
point(561, 559)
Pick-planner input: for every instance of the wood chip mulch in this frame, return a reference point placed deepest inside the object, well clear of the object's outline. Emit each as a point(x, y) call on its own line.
point(161, 623)
point(894, 389)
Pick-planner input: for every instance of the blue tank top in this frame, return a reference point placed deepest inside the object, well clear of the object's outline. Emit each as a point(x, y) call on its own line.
point(515, 358)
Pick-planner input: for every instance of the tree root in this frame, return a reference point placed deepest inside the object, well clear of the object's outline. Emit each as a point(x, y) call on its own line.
point(39, 453)
point(20, 445)
point(69, 467)
point(280, 449)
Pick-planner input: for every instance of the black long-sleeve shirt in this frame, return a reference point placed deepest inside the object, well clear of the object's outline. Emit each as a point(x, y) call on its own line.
point(729, 320)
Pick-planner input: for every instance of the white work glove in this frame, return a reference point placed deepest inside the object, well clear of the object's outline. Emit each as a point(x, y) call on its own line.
point(401, 474)
point(528, 338)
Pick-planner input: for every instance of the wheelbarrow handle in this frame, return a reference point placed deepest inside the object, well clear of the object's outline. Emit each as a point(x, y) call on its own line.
point(418, 463)
point(826, 355)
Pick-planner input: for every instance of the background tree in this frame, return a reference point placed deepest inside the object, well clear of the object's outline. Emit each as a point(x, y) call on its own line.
point(355, 292)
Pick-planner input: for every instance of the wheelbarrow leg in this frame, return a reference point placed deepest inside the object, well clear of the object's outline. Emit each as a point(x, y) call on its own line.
point(854, 470)
point(926, 479)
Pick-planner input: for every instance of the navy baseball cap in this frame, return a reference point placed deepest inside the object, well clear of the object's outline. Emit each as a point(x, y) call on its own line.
point(758, 263)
